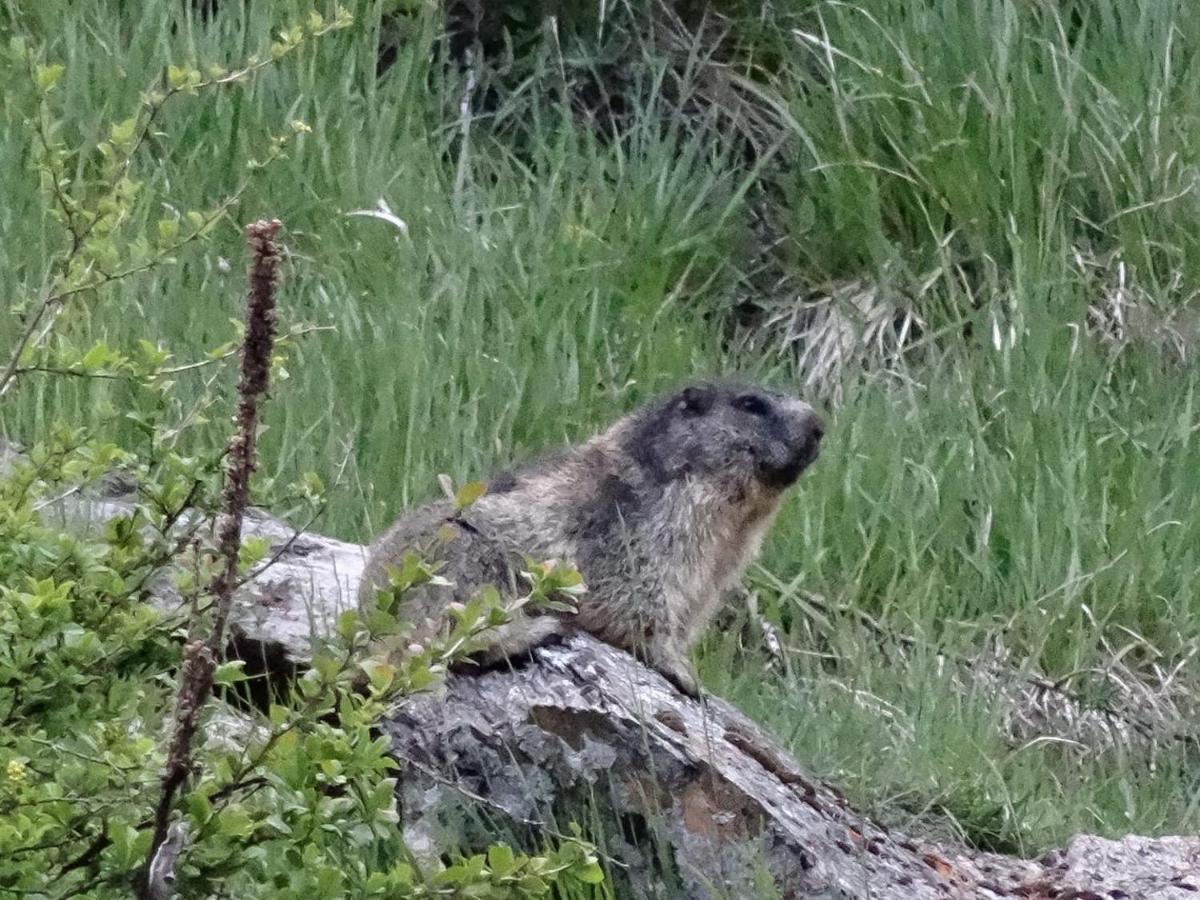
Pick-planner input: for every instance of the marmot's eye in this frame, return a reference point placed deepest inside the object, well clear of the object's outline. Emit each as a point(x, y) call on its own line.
point(695, 401)
point(752, 404)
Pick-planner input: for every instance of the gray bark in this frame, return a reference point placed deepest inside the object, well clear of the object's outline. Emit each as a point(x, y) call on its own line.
point(582, 722)
point(583, 718)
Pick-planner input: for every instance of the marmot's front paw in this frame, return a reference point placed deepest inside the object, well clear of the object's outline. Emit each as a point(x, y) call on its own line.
point(680, 675)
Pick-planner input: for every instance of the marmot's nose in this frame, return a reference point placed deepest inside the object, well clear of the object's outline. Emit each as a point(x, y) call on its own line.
point(815, 425)
point(810, 427)
point(811, 430)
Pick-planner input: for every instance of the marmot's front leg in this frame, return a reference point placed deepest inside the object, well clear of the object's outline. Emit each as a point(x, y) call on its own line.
point(520, 636)
point(673, 664)
point(651, 639)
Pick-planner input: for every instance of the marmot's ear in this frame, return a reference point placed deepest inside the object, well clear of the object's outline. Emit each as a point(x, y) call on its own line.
point(696, 400)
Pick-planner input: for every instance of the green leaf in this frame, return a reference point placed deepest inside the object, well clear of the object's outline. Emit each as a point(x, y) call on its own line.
point(589, 873)
point(235, 822)
point(198, 807)
point(253, 550)
point(168, 230)
point(47, 76)
point(179, 77)
point(501, 859)
point(381, 675)
point(96, 357)
point(231, 672)
point(313, 485)
point(123, 837)
point(533, 886)
point(152, 355)
point(349, 623)
point(469, 493)
point(121, 133)
point(277, 714)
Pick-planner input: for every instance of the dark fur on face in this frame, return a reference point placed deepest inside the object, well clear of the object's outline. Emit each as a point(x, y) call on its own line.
point(770, 434)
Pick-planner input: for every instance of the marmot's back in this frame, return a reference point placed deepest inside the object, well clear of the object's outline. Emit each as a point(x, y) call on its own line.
point(661, 513)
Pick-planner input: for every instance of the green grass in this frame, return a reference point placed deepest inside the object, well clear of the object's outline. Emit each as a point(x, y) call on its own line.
point(964, 155)
point(1088, 487)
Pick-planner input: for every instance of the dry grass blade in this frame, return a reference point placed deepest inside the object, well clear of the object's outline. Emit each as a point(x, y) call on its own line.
point(1125, 312)
point(836, 331)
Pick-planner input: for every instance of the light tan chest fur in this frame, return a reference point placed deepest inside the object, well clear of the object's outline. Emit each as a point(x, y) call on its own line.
point(725, 541)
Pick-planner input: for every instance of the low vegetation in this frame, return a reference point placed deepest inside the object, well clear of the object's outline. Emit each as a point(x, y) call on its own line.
point(966, 229)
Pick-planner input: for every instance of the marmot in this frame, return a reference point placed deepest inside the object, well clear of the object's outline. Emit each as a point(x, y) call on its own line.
point(661, 514)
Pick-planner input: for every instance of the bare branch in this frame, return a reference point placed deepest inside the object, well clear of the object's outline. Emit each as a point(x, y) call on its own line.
point(200, 657)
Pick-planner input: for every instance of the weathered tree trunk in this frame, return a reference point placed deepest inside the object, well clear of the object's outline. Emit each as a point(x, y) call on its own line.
point(581, 722)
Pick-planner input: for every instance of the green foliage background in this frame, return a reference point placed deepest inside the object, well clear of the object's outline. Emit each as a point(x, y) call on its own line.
point(1000, 166)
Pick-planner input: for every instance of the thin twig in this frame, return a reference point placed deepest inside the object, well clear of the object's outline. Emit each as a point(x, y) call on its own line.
point(53, 301)
point(180, 369)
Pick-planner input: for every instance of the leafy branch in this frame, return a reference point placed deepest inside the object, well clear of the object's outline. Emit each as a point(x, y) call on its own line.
point(86, 218)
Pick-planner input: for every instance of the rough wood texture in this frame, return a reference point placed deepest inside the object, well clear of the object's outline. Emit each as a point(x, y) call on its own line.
point(581, 719)
point(583, 716)
point(584, 719)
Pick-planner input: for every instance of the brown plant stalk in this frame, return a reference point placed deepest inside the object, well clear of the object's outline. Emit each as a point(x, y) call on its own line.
point(200, 656)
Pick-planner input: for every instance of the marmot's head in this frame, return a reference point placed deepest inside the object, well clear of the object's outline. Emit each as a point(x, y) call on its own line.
point(735, 432)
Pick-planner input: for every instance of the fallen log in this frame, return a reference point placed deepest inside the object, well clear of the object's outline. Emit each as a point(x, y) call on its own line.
point(731, 811)
point(585, 719)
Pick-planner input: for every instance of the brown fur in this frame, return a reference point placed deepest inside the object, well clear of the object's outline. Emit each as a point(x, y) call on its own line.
point(661, 513)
